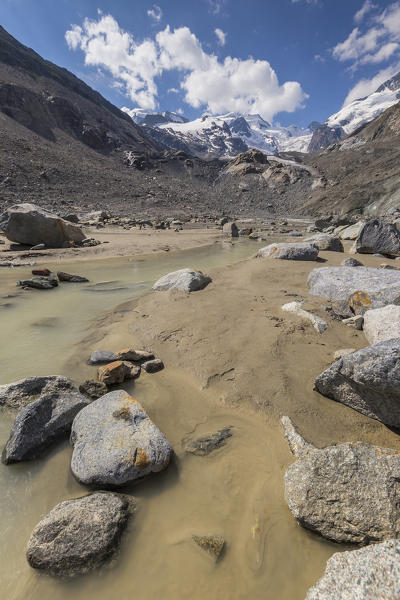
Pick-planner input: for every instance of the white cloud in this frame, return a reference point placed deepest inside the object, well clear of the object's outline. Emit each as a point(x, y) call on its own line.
point(155, 13)
point(221, 36)
point(319, 58)
point(375, 44)
point(367, 86)
point(367, 7)
point(217, 86)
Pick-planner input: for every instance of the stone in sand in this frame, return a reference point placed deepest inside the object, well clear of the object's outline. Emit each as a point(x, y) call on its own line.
point(41, 272)
point(40, 423)
point(152, 366)
point(356, 322)
point(367, 381)
point(343, 352)
point(93, 389)
point(296, 307)
point(351, 262)
point(352, 231)
point(326, 241)
point(19, 393)
point(117, 372)
point(346, 493)
point(39, 283)
point(133, 355)
point(380, 237)
point(382, 324)
point(185, 280)
point(99, 357)
point(116, 443)
point(290, 251)
point(71, 278)
point(369, 573)
point(205, 444)
point(230, 229)
point(80, 535)
point(29, 224)
point(211, 544)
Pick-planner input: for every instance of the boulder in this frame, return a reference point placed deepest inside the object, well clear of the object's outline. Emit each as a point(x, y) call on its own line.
point(116, 443)
point(41, 272)
point(290, 251)
point(370, 573)
point(71, 278)
point(296, 307)
point(152, 366)
point(29, 224)
point(20, 393)
point(93, 389)
point(378, 236)
point(381, 286)
point(79, 535)
point(117, 372)
point(351, 262)
point(99, 357)
point(346, 493)
point(351, 232)
point(39, 283)
point(356, 322)
point(382, 324)
point(230, 229)
point(367, 381)
point(40, 423)
point(185, 280)
point(325, 241)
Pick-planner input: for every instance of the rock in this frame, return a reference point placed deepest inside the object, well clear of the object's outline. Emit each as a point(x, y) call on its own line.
point(206, 444)
point(343, 352)
point(41, 272)
point(211, 544)
point(39, 283)
point(39, 247)
point(133, 355)
point(40, 423)
point(71, 278)
point(255, 235)
point(368, 381)
point(370, 573)
point(152, 366)
point(296, 307)
point(89, 242)
point(339, 283)
point(116, 443)
point(296, 234)
point(387, 266)
point(230, 229)
point(352, 231)
point(351, 262)
point(297, 444)
point(325, 241)
point(346, 493)
point(378, 236)
point(79, 535)
point(359, 302)
point(117, 372)
point(20, 393)
point(93, 389)
point(355, 322)
point(290, 251)
point(185, 280)
point(101, 357)
point(382, 324)
point(341, 309)
point(29, 224)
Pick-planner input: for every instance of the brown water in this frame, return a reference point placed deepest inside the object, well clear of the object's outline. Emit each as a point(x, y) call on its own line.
point(236, 492)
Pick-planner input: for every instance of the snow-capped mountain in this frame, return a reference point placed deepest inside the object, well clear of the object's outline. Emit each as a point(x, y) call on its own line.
point(144, 117)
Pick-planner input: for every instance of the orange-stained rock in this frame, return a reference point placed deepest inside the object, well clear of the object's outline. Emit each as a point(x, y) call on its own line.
point(117, 372)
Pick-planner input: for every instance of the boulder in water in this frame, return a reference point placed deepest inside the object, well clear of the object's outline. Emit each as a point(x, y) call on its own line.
point(290, 251)
point(185, 280)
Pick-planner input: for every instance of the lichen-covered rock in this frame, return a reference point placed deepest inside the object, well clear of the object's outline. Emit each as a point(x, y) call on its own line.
point(93, 389)
point(115, 442)
point(213, 545)
point(382, 324)
point(19, 393)
point(40, 423)
point(290, 251)
point(117, 372)
point(29, 224)
point(79, 535)
point(39, 283)
point(326, 241)
point(381, 286)
point(184, 280)
point(371, 573)
point(346, 493)
point(380, 237)
point(368, 381)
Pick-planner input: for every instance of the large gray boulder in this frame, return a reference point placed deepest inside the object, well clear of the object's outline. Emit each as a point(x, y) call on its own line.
point(20, 393)
point(79, 535)
point(382, 286)
point(378, 236)
point(371, 573)
point(29, 224)
point(351, 232)
point(115, 442)
point(326, 241)
point(382, 324)
point(184, 280)
point(40, 423)
point(368, 381)
point(290, 251)
point(230, 229)
point(346, 493)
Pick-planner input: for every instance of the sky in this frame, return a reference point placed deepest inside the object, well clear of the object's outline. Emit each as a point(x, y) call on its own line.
point(291, 61)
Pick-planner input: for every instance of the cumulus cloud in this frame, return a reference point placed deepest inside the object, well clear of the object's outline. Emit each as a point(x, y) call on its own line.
point(221, 36)
point(217, 86)
point(375, 44)
point(367, 86)
point(155, 13)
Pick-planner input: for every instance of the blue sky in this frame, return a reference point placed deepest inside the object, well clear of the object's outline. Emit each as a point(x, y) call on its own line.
point(293, 61)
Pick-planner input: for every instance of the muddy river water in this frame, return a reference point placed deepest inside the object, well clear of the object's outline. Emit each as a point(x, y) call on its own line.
point(236, 492)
